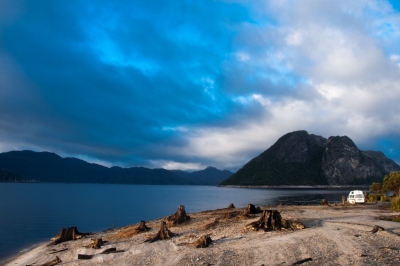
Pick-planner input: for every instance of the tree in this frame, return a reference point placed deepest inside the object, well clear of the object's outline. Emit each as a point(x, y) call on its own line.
point(392, 183)
point(376, 188)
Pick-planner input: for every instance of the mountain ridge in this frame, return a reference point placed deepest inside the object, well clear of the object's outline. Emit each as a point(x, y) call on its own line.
point(50, 167)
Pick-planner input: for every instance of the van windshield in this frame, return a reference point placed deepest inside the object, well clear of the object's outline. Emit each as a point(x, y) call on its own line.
point(359, 196)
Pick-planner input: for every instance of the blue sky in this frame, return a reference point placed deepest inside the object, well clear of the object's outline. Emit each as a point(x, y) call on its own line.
point(188, 84)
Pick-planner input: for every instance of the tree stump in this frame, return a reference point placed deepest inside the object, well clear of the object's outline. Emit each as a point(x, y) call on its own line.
point(203, 242)
point(67, 234)
point(343, 200)
point(163, 233)
point(231, 206)
point(179, 217)
point(142, 227)
point(96, 243)
point(324, 202)
point(269, 220)
point(376, 229)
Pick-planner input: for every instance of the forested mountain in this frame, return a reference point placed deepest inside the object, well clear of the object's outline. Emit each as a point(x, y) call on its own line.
point(49, 167)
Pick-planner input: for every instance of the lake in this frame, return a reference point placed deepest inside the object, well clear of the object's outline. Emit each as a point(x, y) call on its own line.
point(31, 213)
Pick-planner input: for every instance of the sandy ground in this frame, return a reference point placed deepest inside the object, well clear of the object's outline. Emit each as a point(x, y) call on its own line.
point(334, 235)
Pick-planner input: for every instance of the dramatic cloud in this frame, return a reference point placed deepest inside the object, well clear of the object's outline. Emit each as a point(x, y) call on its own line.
point(187, 84)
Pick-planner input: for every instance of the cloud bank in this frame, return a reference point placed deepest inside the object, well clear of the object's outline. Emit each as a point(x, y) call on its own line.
point(187, 84)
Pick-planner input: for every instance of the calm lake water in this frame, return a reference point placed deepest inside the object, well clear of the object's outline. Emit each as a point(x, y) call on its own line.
point(31, 213)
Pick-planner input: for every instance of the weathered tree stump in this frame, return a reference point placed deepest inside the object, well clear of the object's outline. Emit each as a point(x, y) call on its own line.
point(343, 200)
point(231, 206)
point(163, 233)
point(269, 220)
point(376, 229)
point(142, 227)
point(178, 217)
point(250, 211)
point(203, 242)
point(324, 202)
point(67, 234)
point(96, 243)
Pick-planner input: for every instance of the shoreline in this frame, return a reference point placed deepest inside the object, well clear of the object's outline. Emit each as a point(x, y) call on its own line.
point(300, 187)
point(334, 234)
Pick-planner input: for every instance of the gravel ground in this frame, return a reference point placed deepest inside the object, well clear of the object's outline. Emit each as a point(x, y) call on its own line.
point(334, 235)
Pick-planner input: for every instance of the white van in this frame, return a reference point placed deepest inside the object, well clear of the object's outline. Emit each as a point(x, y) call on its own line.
point(356, 196)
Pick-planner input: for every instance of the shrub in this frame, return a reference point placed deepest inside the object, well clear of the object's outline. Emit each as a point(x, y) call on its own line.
point(396, 203)
point(374, 197)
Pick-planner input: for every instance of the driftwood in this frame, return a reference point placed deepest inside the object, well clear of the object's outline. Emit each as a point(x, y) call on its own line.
point(269, 220)
point(130, 231)
point(232, 214)
point(376, 229)
point(231, 206)
point(67, 234)
point(49, 263)
point(203, 242)
point(292, 224)
point(96, 243)
point(212, 224)
point(302, 261)
point(57, 251)
point(178, 217)
point(107, 251)
point(163, 233)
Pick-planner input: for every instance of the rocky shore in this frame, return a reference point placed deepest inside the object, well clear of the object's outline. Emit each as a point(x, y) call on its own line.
point(333, 235)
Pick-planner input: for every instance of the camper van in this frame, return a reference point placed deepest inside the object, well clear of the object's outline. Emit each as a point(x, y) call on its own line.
point(356, 196)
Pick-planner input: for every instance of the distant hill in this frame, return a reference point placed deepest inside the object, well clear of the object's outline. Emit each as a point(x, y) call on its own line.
point(207, 176)
point(299, 158)
point(50, 167)
point(8, 176)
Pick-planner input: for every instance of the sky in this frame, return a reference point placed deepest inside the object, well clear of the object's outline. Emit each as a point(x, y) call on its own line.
point(190, 84)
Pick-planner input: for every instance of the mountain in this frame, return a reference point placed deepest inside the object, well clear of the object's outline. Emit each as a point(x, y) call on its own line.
point(209, 176)
point(50, 167)
point(299, 158)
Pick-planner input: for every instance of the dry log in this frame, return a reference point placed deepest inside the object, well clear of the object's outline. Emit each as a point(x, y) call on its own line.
point(178, 217)
point(302, 261)
point(67, 234)
point(57, 251)
point(163, 233)
point(232, 214)
point(231, 206)
point(51, 263)
point(96, 243)
point(269, 220)
point(212, 224)
point(107, 251)
point(203, 242)
point(292, 224)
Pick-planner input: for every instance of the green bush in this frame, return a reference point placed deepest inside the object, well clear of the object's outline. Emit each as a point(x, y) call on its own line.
point(396, 203)
point(374, 197)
